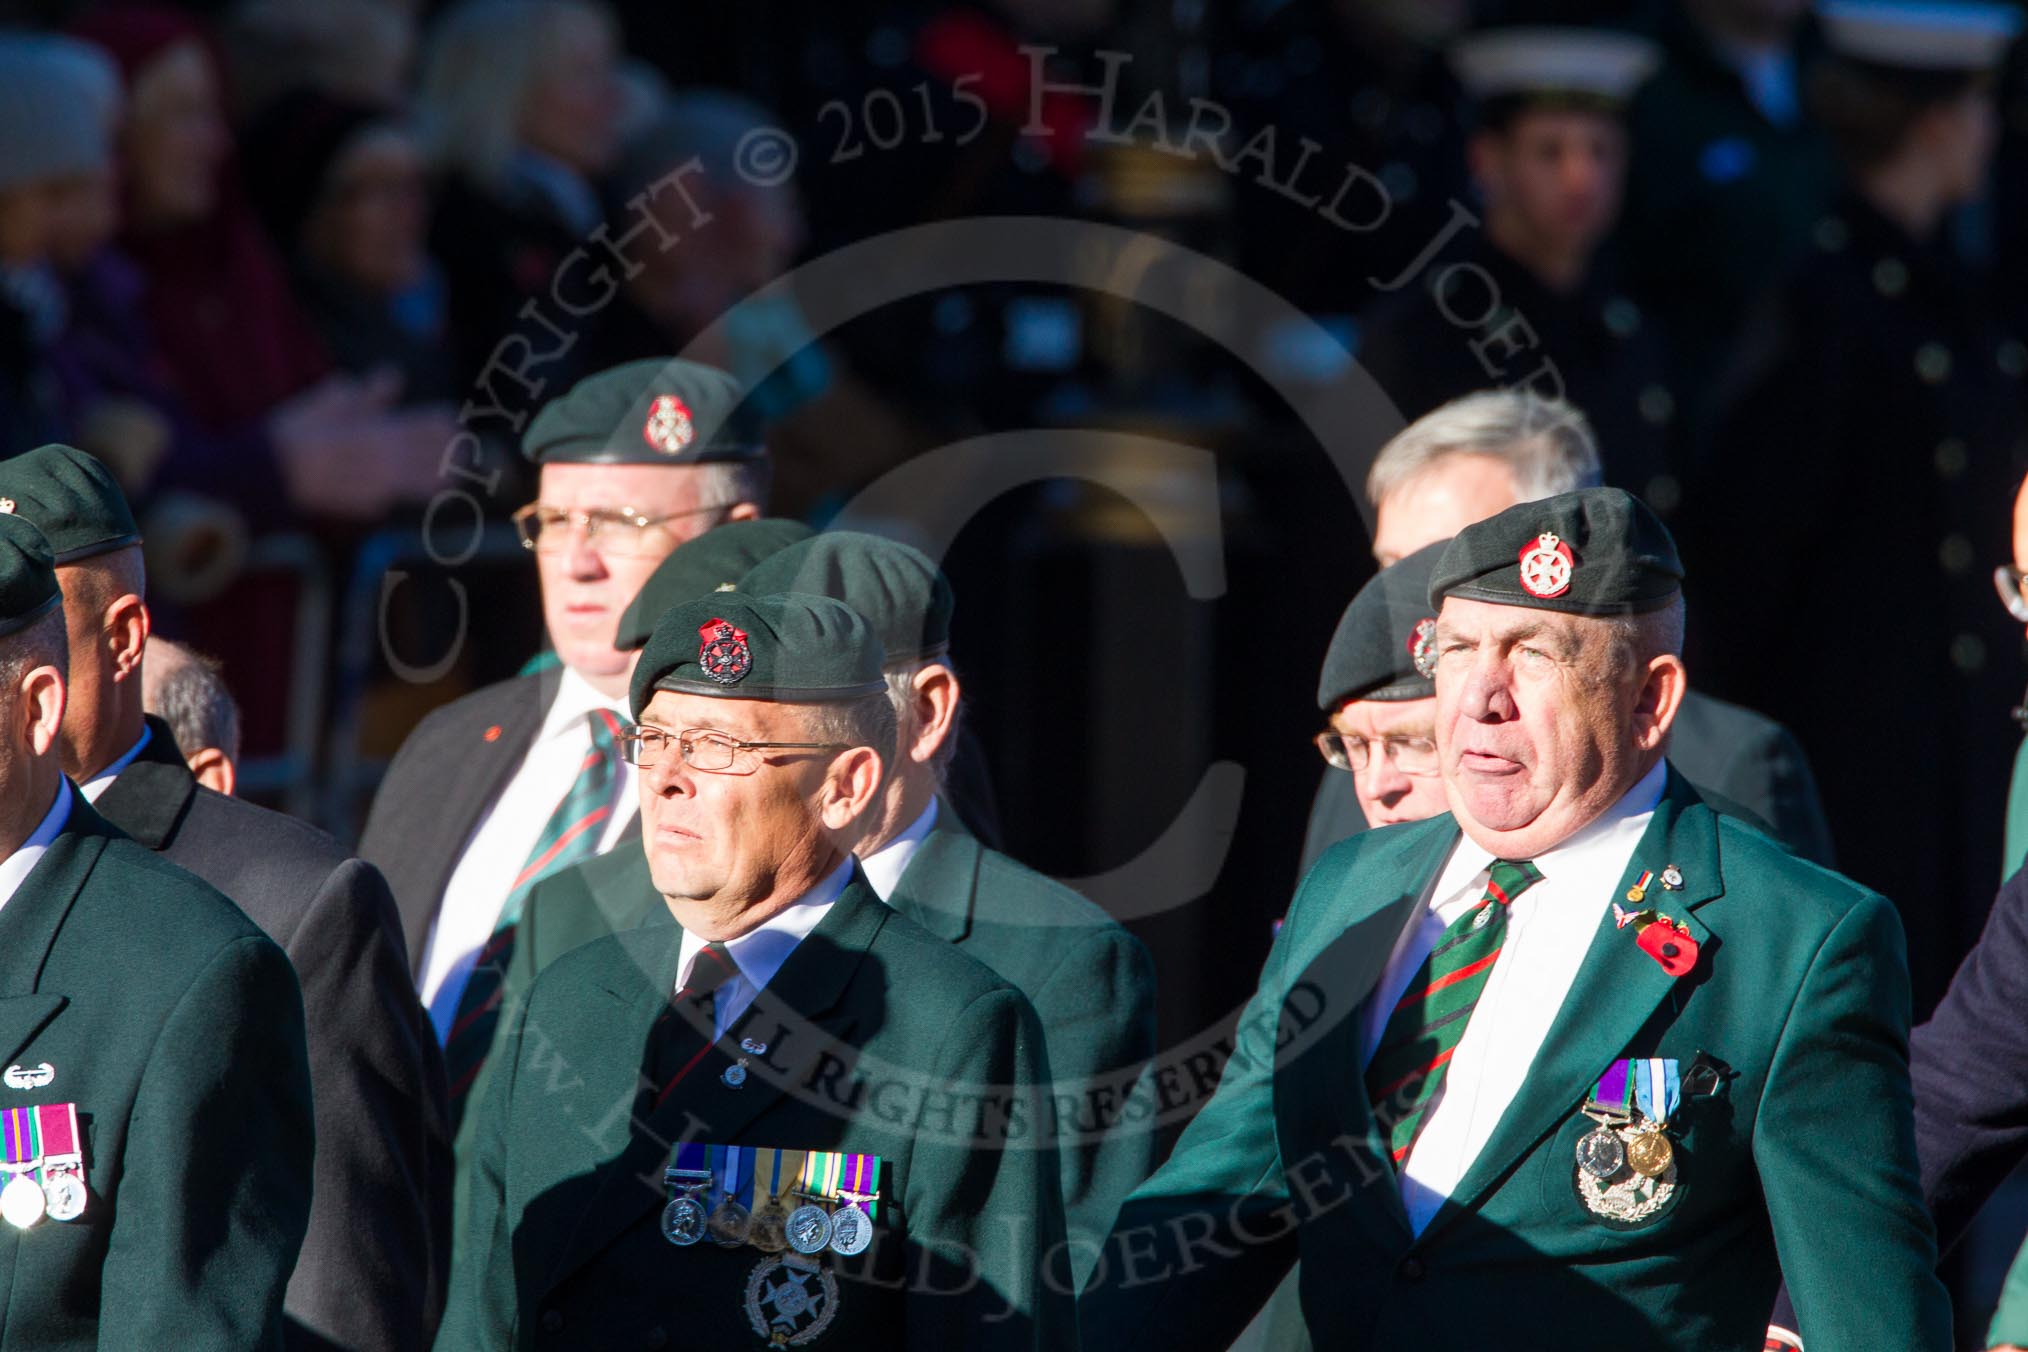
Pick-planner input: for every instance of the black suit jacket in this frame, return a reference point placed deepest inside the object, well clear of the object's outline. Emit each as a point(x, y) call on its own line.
point(1744, 764)
point(376, 1261)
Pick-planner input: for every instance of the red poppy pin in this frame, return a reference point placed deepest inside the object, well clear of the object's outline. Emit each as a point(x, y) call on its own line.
point(669, 427)
point(1546, 566)
point(1668, 942)
point(722, 651)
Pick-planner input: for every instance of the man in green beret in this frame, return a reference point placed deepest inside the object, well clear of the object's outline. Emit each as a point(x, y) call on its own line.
point(155, 1122)
point(1615, 1054)
point(524, 777)
point(1091, 982)
point(383, 1168)
point(793, 1115)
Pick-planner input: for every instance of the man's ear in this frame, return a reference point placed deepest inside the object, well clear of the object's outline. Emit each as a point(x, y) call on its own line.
point(214, 770)
point(40, 708)
point(744, 511)
point(126, 628)
point(933, 709)
point(850, 786)
point(1658, 700)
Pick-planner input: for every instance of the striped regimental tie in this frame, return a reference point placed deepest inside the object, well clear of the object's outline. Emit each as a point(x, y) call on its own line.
point(571, 835)
point(1407, 1071)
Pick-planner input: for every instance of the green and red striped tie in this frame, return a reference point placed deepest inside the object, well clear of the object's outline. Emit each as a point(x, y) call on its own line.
point(572, 834)
point(1407, 1071)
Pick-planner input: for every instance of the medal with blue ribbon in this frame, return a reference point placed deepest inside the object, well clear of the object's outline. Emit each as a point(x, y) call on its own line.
point(781, 1169)
point(732, 1183)
point(1657, 1090)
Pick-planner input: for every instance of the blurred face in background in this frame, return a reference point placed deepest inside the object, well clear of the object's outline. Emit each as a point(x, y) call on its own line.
point(1387, 792)
point(1447, 495)
point(27, 223)
point(571, 111)
point(369, 226)
point(174, 138)
point(1957, 138)
point(84, 216)
point(1553, 178)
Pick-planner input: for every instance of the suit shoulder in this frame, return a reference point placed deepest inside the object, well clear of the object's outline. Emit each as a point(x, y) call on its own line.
point(173, 906)
point(1016, 894)
point(1811, 897)
point(1379, 847)
point(276, 835)
point(1712, 717)
point(515, 697)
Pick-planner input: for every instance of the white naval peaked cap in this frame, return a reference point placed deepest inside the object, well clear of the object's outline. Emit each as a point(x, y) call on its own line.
point(1600, 63)
point(1944, 35)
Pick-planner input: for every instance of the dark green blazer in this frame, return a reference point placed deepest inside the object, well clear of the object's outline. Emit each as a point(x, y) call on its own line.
point(1091, 982)
point(880, 1040)
point(176, 1028)
point(1806, 1151)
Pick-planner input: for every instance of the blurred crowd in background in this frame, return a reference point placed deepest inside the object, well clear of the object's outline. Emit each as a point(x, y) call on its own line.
point(271, 260)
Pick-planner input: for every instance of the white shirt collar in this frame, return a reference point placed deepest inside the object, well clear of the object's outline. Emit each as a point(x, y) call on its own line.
point(1612, 836)
point(760, 953)
point(103, 780)
point(17, 866)
point(885, 865)
point(575, 698)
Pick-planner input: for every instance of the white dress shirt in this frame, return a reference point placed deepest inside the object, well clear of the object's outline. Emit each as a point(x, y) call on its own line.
point(1550, 927)
point(103, 780)
point(885, 865)
point(760, 953)
point(499, 847)
point(17, 866)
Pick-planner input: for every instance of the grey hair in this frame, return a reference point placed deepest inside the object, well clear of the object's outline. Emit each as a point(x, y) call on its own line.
point(1634, 639)
point(44, 643)
point(483, 56)
point(728, 483)
point(901, 694)
point(1547, 444)
point(188, 692)
point(866, 721)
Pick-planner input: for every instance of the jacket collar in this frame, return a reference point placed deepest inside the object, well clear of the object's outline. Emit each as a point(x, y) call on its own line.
point(151, 795)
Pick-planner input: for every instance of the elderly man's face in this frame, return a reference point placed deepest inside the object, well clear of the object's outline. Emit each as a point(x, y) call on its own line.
point(1450, 494)
point(587, 583)
point(732, 838)
point(1536, 733)
point(1386, 794)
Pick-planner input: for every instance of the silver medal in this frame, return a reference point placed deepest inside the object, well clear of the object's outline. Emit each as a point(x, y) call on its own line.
point(851, 1230)
point(683, 1221)
point(21, 1202)
point(64, 1193)
point(1600, 1152)
point(730, 1224)
point(809, 1229)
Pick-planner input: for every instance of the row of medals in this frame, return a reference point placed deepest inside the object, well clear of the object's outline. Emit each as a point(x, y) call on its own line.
point(808, 1230)
point(60, 1196)
point(1603, 1152)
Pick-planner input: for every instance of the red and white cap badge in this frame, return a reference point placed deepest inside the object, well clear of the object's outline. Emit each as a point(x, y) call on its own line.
point(722, 651)
point(1546, 567)
point(669, 427)
point(1422, 647)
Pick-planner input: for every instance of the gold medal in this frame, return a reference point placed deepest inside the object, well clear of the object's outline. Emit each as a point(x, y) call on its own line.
point(1651, 1153)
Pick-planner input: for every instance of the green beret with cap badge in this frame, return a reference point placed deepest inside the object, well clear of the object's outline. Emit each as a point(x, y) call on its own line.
point(895, 586)
point(1597, 551)
point(792, 649)
point(661, 411)
point(72, 498)
point(28, 588)
point(712, 562)
point(1385, 644)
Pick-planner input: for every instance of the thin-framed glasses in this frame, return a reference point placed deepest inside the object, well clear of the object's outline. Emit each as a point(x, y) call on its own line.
point(2012, 584)
point(701, 748)
point(614, 530)
point(1410, 755)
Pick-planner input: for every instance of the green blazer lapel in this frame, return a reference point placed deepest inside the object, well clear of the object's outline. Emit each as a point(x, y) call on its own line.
point(938, 888)
point(1616, 992)
point(30, 922)
point(1334, 989)
point(801, 1015)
